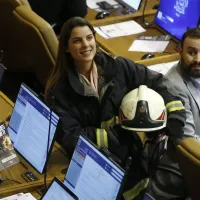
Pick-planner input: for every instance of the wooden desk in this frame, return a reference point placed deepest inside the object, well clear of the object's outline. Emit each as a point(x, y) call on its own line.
point(119, 46)
point(57, 162)
point(92, 13)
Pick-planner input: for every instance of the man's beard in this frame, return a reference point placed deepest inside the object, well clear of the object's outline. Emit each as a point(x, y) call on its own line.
point(188, 69)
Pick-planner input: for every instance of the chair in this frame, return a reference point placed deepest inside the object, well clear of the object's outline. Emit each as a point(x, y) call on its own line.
point(6, 9)
point(188, 154)
point(30, 44)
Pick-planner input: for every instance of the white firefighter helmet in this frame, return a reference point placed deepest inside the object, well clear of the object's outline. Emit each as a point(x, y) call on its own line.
point(143, 109)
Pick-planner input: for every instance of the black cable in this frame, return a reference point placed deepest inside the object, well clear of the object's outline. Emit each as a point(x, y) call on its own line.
point(47, 152)
point(145, 3)
point(155, 158)
point(144, 22)
point(1, 56)
point(48, 141)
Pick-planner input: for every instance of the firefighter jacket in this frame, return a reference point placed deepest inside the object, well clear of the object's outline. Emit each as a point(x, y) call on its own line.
point(83, 112)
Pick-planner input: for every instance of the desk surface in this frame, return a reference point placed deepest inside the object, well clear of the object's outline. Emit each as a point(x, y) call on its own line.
point(92, 13)
point(58, 161)
point(119, 46)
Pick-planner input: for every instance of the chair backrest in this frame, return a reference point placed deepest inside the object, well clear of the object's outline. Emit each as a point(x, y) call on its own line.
point(31, 44)
point(188, 154)
point(6, 9)
point(25, 3)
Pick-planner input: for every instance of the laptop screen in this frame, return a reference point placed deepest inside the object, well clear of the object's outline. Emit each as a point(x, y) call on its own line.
point(28, 128)
point(91, 175)
point(58, 191)
point(133, 5)
point(177, 16)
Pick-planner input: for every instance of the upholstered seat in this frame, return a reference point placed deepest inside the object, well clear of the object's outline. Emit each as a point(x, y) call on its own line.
point(29, 43)
point(6, 9)
point(188, 154)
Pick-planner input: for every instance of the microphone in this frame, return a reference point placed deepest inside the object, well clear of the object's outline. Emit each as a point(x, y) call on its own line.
point(128, 164)
point(143, 21)
point(1, 56)
point(48, 140)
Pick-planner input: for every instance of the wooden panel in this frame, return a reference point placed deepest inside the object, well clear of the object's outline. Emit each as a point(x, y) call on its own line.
point(6, 107)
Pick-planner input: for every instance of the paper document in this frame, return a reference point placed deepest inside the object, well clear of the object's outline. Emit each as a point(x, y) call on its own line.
point(163, 68)
point(20, 196)
point(119, 29)
point(150, 43)
point(93, 3)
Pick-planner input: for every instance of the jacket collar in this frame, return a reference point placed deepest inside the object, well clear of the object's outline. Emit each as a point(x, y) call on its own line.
point(105, 62)
point(192, 89)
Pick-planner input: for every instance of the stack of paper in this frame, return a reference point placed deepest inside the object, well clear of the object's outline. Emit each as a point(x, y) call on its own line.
point(20, 196)
point(163, 68)
point(150, 43)
point(119, 29)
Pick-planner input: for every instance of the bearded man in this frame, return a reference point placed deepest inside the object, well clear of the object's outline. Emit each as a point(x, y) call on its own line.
point(186, 76)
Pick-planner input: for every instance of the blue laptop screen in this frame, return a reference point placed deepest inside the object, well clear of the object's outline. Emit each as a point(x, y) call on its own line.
point(28, 127)
point(91, 175)
point(176, 16)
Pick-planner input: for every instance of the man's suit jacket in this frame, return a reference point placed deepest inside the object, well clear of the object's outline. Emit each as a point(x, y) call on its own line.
point(190, 94)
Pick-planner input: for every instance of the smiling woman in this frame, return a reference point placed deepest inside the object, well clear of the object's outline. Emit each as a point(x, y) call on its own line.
point(82, 47)
point(88, 86)
point(86, 90)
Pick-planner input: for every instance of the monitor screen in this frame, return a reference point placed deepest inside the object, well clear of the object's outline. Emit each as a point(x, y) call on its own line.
point(91, 175)
point(176, 16)
point(132, 4)
point(57, 191)
point(28, 128)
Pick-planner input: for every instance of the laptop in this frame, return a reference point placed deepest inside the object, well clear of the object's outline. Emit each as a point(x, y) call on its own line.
point(58, 191)
point(131, 5)
point(29, 128)
point(92, 174)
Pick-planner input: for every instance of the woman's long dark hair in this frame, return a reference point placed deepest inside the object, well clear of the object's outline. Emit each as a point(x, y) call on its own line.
point(64, 59)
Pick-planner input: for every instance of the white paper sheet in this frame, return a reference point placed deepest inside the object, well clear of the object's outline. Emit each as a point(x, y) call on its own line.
point(13, 197)
point(29, 196)
point(163, 68)
point(119, 29)
point(20, 196)
point(148, 46)
point(93, 3)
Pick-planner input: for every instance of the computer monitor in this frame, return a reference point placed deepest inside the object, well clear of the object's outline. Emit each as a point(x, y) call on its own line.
point(176, 16)
point(58, 191)
point(133, 5)
point(29, 127)
point(92, 175)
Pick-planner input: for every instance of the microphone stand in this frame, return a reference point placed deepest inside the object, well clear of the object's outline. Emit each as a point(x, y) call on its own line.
point(143, 21)
point(48, 141)
point(1, 56)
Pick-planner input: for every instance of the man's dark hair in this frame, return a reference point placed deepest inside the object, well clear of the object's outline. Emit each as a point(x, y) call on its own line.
point(192, 33)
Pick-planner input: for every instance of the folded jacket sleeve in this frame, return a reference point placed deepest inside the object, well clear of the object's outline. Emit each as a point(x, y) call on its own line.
point(70, 130)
